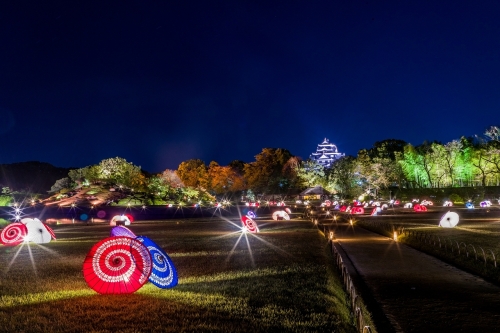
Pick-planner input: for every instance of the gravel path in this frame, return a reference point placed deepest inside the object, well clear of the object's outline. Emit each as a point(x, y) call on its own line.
point(417, 292)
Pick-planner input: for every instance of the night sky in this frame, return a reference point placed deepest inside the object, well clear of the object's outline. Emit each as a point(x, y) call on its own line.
point(161, 82)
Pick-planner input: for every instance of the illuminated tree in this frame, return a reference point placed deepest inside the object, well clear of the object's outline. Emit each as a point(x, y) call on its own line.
point(193, 173)
point(77, 175)
point(223, 179)
point(483, 168)
point(377, 172)
point(452, 163)
point(172, 179)
point(412, 166)
point(493, 158)
point(266, 173)
point(311, 173)
point(387, 149)
point(238, 166)
point(157, 187)
point(342, 177)
point(437, 154)
point(92, 173)
point(290, 172)
point(61, 184)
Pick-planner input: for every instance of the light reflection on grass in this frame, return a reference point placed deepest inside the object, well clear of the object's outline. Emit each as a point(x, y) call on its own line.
point(287, 290)
point(29, 299)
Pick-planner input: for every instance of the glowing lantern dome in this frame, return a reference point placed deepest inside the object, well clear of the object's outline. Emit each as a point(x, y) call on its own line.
point(449, 220)
point(37, 231)
point(119, 219)
point(280, 214)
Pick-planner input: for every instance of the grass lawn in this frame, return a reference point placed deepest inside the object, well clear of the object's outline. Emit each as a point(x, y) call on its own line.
point(477, 229)
point(282, 281)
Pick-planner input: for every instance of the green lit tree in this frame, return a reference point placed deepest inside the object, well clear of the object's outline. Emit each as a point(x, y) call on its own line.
point(412, 166)
point(311, 173)
point(343, 179)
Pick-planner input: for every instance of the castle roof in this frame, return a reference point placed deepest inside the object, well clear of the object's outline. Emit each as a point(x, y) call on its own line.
point(326, 153)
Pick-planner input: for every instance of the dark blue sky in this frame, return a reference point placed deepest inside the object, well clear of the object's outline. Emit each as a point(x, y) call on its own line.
point(160, 82)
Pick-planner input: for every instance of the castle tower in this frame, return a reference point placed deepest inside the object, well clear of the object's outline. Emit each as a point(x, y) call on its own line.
point(326, 154)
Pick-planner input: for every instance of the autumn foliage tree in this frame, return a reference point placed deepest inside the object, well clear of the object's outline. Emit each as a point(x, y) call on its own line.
point(193, 173)
point(265, 175)
point(223, 179)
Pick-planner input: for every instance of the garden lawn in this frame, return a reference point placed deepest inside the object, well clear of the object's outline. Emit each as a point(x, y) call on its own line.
point(476, 231)
point(280, 280)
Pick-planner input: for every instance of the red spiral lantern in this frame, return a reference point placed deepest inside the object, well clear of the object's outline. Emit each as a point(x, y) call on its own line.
point(358, 210)
point(249, 224)
point(49, 229)
point(117, 265)
point(419, 208)
point(13, 234)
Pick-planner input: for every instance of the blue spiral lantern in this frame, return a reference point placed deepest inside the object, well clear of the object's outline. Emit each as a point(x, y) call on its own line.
point(164, 274)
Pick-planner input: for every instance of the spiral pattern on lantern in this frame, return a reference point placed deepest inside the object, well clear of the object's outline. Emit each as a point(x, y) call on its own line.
point(117, 265)
point(13, 234)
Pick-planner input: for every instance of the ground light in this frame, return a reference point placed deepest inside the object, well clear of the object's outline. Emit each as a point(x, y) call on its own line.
point(331, 235)
point(395, 236)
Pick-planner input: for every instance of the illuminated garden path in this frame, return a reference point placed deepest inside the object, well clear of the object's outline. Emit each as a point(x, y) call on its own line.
point(417, 292)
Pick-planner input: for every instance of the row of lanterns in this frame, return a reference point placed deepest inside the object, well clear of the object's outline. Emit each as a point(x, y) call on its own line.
point(27, 230)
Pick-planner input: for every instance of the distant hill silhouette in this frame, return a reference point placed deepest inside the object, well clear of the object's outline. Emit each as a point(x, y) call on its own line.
point(33, 176)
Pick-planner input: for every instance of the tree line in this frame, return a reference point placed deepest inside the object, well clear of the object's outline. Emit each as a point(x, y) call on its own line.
point(389, 163)
point(465, 162)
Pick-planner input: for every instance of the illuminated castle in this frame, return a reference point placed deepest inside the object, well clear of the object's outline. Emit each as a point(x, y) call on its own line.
point(326, 154)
